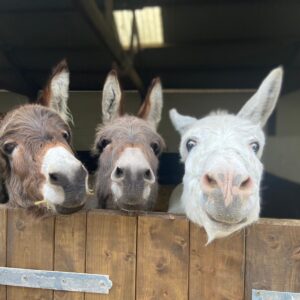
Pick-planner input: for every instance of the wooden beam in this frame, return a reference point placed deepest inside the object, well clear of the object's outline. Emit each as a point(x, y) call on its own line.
point(90, 11)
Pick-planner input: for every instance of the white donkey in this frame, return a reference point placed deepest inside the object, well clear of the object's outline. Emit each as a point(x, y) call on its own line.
point(223, 170)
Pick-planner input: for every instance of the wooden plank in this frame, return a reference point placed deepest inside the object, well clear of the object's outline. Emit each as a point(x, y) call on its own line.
point(29, 245)
point(111, 250)
point(3, 228)
point(273, 257)
point(162, 258)
point(216, 270)
point(70, 240)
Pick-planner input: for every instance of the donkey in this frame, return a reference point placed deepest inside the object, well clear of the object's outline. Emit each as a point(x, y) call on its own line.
point(223, 170)
point(38, 166)
point(128, 148)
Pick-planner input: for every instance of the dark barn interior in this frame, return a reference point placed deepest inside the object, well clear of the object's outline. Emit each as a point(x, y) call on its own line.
point(213, 44)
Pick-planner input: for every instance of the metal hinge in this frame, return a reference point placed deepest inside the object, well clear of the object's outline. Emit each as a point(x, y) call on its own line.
point(273, 295)
point(54, 280)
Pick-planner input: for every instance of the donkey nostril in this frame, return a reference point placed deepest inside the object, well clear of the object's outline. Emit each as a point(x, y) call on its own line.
point(119, 173)
point(210, 180)
point(246, 183)
point(54, 177)
point(148, 174)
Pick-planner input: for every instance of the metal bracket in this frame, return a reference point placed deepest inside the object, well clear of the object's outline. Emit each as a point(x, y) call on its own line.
point(54, 280)
point(272, 295)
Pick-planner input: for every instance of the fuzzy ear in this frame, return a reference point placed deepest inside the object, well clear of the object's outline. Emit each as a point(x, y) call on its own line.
point(111, 98)
point(56, 93)
point(259, 108)
point(153, 104)
point(180, 122)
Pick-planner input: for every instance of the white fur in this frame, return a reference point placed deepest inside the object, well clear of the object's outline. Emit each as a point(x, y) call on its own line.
point(111, 98)
point(57, 159)
point(223, 143)
point(60, 94)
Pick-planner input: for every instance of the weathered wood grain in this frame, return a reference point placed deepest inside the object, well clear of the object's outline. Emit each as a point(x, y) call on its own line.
point(163, 258)
point(29, 245)
point(273, 257)
point(216, 270)
point(69, 254)
point(111, 250)
point(3, 215)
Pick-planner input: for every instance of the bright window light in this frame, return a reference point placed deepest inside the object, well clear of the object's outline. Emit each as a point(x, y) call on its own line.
point(149, 26)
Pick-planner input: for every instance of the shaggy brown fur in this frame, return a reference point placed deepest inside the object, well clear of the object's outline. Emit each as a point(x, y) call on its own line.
point(26, 133)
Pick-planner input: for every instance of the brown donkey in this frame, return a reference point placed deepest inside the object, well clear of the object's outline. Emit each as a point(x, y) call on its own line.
point(128, 149)
point(38, 166)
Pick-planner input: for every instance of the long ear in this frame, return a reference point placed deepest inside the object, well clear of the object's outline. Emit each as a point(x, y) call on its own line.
point(259, 108)
point(56, 93)
point(180, 122)
point(153, 104)
point(111, 98)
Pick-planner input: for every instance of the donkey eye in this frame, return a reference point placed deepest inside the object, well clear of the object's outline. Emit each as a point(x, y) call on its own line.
point(190, 144)
point(102, 144)
point(254, 146)
point(66, 135)
point(8, 148)
point(155, 147)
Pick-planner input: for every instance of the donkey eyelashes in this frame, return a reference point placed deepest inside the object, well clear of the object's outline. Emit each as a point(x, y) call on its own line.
point(9, 147)
point(190, 144)
point(102, 144)
point(67, 136)
point(255, 147)
point(156, 148)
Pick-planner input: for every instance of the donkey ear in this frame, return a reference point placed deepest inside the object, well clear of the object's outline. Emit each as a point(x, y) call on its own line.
point(56, 93)
point(111, 98)
point(259, 108)
point(180, 122)
point(153, 104)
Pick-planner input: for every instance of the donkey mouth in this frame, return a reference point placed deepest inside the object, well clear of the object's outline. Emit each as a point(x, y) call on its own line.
point(226, 223)
point(68, 210)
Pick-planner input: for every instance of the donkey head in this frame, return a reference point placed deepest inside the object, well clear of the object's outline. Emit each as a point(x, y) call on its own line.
point(128, 149)
point(222, 155)
point(38, 164)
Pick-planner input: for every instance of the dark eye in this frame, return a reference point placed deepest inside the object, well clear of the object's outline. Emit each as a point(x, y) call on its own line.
point(102, 144)
point(156, 148)
point(8, 148)
point(254, 146)
point(190, 144)
point(66, 135)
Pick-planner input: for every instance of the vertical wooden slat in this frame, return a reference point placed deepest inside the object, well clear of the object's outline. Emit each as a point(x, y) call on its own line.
point(111, 250)
point(273, 256)
point(70, 238)
point(3, 228)
point(216, 270)
point(29, 245)
point(162, 259)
